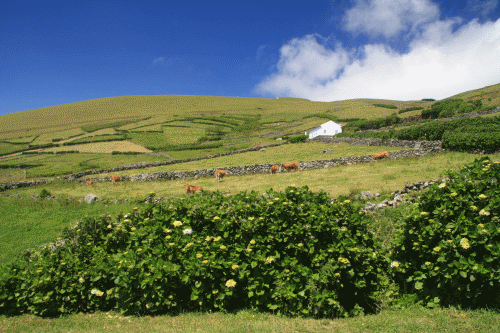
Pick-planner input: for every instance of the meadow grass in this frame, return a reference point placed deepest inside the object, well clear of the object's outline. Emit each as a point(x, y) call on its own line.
point(413, 319)
point(335, 181)
point(310, 151)
point(27, 223)
point(50, 121)
point(64, 164)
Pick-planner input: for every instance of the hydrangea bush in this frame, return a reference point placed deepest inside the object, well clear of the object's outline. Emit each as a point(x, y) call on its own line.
point(293, 252)
point(450, 251)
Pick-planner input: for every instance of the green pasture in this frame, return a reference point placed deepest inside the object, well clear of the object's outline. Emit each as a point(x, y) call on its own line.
point(64, 164)
point(27, 223)
point(180, 135)
point(310, 151)
point(383, 177)
point(108, 112)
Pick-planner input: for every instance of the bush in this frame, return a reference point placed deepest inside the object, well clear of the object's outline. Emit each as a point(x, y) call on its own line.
point(413, 108)
point(386, 106)
point(451, 241)
point(428, 99)
point(291, 252)
point(44, 193)
point(296, 139)
point(115, 152)
point(68, 152)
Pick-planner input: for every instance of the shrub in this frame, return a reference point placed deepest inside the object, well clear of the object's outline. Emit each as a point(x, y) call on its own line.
point(292, 252)
point(451, 240)
point(296, 139)
point(44, 193)
point(428, 99)
point(115, 152)
point(386, 106)
point(413, 108)
point(68, 152)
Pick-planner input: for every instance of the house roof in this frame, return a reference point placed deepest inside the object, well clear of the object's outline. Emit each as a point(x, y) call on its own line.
point(325, 124)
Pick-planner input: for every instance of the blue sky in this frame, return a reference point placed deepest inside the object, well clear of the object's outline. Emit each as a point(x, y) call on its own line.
point(57, 52)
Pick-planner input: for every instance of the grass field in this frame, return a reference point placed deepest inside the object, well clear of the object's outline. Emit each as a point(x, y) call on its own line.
point(412, 319)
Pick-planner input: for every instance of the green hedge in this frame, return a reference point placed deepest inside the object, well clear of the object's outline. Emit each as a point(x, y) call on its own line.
point(97, 138)
point(292, 252)
point(115, 152)
point(413, 108)
point(386, 106)
point(450, 245)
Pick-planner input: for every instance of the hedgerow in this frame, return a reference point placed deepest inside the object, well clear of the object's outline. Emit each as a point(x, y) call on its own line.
point(387, 106)
point(291, 252)
point(451, 242)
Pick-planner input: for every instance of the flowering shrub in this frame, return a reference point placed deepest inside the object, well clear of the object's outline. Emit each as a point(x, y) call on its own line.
point(450, 254)
point(302, 255)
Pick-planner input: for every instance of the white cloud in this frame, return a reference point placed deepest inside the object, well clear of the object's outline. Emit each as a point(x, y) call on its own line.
point(159, 59)
point(389, 18)
point(442, 60)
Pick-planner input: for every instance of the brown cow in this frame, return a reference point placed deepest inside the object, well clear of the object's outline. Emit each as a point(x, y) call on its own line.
point(115, 179)
point(219, 174)
point(192, 189)
point(288, 166)
point(380, 156)
point(90, 182)
point(276, 168)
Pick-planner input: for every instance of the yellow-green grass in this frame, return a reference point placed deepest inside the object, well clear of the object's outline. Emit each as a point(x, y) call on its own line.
point(162, 108)
point(28, 223)
point(57, 133)
point(103, 147)
point(9, 147)
point(413, 319)
point(26, 139)
point(155, 127)
point(181, 135)
point(484, 94)
point(151, 121)
point(310, 151)
point(54, 165)
point(382, 176)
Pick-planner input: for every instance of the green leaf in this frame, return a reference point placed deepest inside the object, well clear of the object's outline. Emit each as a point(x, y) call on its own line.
point(250, 294)
point(419, 285)
point(464, 274)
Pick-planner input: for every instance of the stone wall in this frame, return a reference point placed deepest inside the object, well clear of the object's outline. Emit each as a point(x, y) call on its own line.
point(424, 145)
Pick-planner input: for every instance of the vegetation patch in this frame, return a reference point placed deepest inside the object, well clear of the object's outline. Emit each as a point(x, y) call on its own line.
point(387, 106)
point(314, 257)
point(113, 124)
point(451, 241)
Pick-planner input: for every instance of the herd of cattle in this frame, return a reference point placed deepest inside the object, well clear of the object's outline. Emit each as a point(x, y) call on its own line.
point(219, 174)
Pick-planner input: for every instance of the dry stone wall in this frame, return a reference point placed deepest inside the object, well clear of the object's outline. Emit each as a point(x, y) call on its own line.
point(422, 145)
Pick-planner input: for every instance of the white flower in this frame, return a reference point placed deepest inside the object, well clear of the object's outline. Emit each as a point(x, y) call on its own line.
point(177, 223)
point(394, 264)
point(188, 231)
point(442, 185)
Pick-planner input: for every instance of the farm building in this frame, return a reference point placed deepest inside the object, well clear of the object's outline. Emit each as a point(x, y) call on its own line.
point(329, 128)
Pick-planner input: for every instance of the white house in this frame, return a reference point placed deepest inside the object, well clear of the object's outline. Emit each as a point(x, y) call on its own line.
point(329, 128)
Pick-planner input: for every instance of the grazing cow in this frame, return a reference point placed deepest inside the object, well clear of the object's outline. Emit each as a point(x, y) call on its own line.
point(115, 179)
point(192, 189)
point(276, 168)
point(90, 182)
point(380, 156)
point(219, 174)
point(288, 166)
